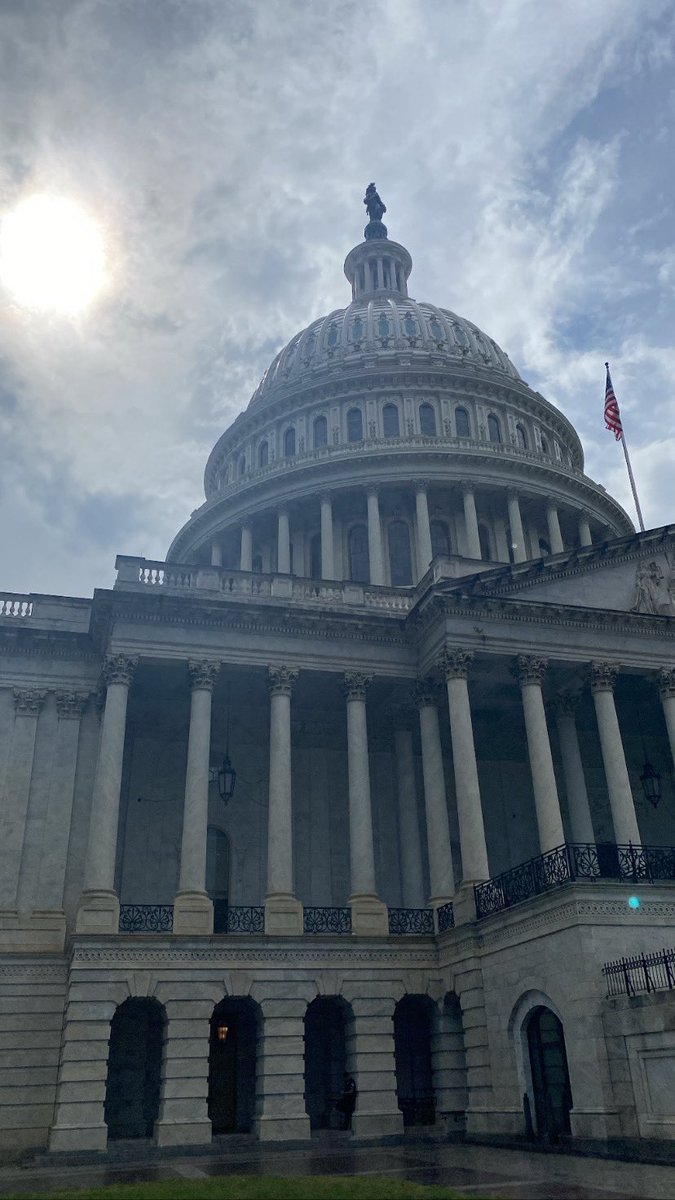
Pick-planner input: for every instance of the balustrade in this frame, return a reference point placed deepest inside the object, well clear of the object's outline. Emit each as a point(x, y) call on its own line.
point(417, 922)
point(15, 606)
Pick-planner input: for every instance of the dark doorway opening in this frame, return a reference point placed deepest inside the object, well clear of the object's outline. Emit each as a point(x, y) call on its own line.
point(134, 1068)
point(232, 1066)
point(550, 1076)
point(325, 1059)
point(414, 1077)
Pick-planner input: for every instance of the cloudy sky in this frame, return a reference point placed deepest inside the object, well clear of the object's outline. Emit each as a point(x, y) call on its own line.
point(525, 152)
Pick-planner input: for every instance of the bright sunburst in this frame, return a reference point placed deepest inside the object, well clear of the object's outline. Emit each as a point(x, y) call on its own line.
point(51, 255)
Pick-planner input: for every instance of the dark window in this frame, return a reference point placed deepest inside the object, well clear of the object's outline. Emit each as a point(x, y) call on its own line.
point(484, 539)
point(256, 565)
point(545, 448)
point(427, 420)
point(390, 421)
point(359, 561)
point(233, 1042)
point(241, 465)
point(412, 1048)
point(544, 547)
point(494, 429)
point(289, 443)
point(440, 538)
point(354, 425)
point(521, 437)
point(400, 562)
point(263, 454)
point(315, 557)
point(320, 432)
point(326, 1021)
point(462, 423)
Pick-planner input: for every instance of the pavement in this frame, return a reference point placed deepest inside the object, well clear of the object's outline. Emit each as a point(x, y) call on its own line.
point(475, 1170)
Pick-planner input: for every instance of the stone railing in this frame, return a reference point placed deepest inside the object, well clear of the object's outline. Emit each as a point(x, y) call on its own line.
point(12, 605)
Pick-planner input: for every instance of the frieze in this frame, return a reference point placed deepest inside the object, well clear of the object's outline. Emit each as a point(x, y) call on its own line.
point(28, 971)
point(226, 956)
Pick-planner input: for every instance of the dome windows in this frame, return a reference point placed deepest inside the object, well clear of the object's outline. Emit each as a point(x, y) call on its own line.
point(400, 558)
point(521, 438)
point(440, 538)
point(320, 431)
point(359, 560)
point(462, 423)
point(289, 443)
point(545, 448)
point(383, 328)
point(354, 425)
point(494, 428)
point(357, 331)
point(263, 454)
point(390, 421)
point(427, 420)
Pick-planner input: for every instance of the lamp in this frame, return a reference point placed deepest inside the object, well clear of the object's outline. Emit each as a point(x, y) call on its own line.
point(651, 783)
point(225, 775)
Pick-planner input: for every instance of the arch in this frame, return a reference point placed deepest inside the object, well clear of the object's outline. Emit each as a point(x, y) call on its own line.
point(315, 556)
point(263, 454)
point(485, 542)
point(325, 1042)
point(233, 1040)
point(440, 537)
point(400, 558)
point(289, 443)
point(427, 420)
point(320, 432)
point(359, 557)
point(545, 448)
point(462, 423)
point(412, 1049)
point(354, 425)
point(530, 1001)
point(521, 437)
point(390, 421)
point(550, 1074)
point(132, 1091)
point(494, 428)
point(218, 875)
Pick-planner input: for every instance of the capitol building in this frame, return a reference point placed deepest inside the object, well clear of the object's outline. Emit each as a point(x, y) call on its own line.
point(373, 774)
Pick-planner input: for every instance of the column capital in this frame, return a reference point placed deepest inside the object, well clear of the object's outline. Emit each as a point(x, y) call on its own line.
point(455, 663)
point(425, 693)
point(565, 705)
point(71, 704)
point(119, 668)
point(551, 506)
point(467, 487)
point(422, 485)
point(325, 497)
point(529, 668)
point(513, 493)
point(203, 674)
point(372, 490)
point(356, 684)
point(280, 679)
point(603, 676)
point(666, 682)
point(28, 701)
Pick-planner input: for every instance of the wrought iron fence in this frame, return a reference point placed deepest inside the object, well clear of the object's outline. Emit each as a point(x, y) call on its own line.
point(418, 921)
point(588, 861)
point(245, 919)
point(446, 917)
point(643, 973)
point(327, 920)
point(146, 918)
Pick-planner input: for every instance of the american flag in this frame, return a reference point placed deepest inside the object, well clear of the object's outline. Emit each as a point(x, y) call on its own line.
point(612, 414)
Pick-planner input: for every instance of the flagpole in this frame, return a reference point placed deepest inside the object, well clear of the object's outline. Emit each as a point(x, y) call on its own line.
point(615, 425)
point(632, 481)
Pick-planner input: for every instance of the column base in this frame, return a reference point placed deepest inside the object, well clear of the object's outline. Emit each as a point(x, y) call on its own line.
point(370, 916)
point(98, 912)
point(367, 1125)
point(464, 904)
point(193, 914)
point(283, 915)
point(41, 931)
point(283, 1129)
point(183, 1133)
point(65, 1138)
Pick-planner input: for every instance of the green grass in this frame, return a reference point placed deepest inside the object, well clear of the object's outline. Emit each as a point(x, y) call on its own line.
point(264, 1187)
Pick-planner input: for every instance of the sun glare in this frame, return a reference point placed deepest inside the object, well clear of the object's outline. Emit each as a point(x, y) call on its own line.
point(51, 255)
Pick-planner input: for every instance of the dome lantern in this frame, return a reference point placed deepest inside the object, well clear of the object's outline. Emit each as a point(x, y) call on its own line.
point(377, 265)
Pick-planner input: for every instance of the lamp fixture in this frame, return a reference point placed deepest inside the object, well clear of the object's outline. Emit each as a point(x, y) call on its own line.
point(650, 779)
point(225, 775)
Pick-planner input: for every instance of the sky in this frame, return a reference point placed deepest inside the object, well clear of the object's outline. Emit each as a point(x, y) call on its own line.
point(525, 153)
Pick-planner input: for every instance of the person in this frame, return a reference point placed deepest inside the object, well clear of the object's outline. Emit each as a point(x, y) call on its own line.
point(347, 1102)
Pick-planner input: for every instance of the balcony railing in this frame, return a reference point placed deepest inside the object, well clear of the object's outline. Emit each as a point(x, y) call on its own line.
point(236, 918)
point(446, 917)
point(643, 973)
point(587, 861)
point(418, 922)
point(146, 918)
point(327, 920)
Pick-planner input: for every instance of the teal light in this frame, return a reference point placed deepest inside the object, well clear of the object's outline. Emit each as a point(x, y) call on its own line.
point(634, 902)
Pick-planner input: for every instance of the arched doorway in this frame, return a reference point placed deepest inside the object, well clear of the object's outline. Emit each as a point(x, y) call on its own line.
point(412, 1045)
point(550, 1076)
point(232, 1065)
point(134, 1068)
point(325, 1059)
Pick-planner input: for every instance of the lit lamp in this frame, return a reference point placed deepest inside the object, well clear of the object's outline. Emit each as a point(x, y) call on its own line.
point(223, 1031)
point(651, 783)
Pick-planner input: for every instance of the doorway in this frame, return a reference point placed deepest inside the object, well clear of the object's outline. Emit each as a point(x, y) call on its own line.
point(134, 1068)
point(325, 1059)
point(412, 1044)
point(550, 1075)
point(232, 1066)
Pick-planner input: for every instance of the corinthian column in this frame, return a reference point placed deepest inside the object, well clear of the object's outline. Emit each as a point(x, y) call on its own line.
point(193, 910)
point(375, 538)
point(575, 782)
point(369, 915)
point(667, 694)
point(529, 671)
point(424, 551)
point(283, 912)
point(327, 549)
point(472, 537)
point(441, 875)
point(99, 907)
point(603, 679)
point(554, 534)
point(516, 526)
point(455, 666)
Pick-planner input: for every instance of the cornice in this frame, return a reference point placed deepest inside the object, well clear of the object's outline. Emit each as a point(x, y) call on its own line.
point(29, 642)
point(279, 956)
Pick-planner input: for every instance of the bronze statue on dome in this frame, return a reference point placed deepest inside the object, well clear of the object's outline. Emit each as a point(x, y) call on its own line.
point(374, 206)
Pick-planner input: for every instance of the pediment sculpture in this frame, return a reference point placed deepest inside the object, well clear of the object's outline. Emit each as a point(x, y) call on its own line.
point(655, 588)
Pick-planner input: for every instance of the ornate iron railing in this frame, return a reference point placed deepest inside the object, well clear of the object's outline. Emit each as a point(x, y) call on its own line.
point(446, 917)
point(146, 918)
point(643, 973)
point(327, 920)
point(418, 921)
point(245, 919)
point(588, 861)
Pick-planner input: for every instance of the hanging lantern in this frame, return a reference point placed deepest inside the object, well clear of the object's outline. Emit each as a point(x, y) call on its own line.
point(651, 783)
point(227, 778)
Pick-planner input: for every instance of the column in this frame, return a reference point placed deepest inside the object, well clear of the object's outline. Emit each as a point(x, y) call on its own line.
point(371, 1059)
point(575, 783)
point(280, 1103)
point(283, 543)
point(375, 538)
point(472, 538)
point(667, 694)
point(369, 915)
point(585, 538)
point(99, 907)
point(412, 881)
point(603, 679)
point(529, 671)
point(554, 534)
point(283, 913)
point(327, 551)
point(193, 910)
point(27, 705)
point(441, 876)
point(216, 554)
point(455, 666)
point(69, 708)
point(516, 526)
point(246, 551)
point(183, 1115)
point(424, 550)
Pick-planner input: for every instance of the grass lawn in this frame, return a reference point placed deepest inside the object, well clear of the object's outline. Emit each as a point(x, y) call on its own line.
point(264, 1187)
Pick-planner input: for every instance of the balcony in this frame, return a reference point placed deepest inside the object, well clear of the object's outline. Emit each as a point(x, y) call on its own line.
point(238, 919)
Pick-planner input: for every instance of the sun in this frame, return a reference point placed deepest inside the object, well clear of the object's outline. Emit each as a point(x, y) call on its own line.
point(51, 255)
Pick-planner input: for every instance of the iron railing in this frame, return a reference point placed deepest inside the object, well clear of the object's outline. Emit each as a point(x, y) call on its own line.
point(419, 921)
point(327, 920)
point(146, 918)
point(643, 973)
point(446, 917)
point(587, 861)
point(244, 919)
